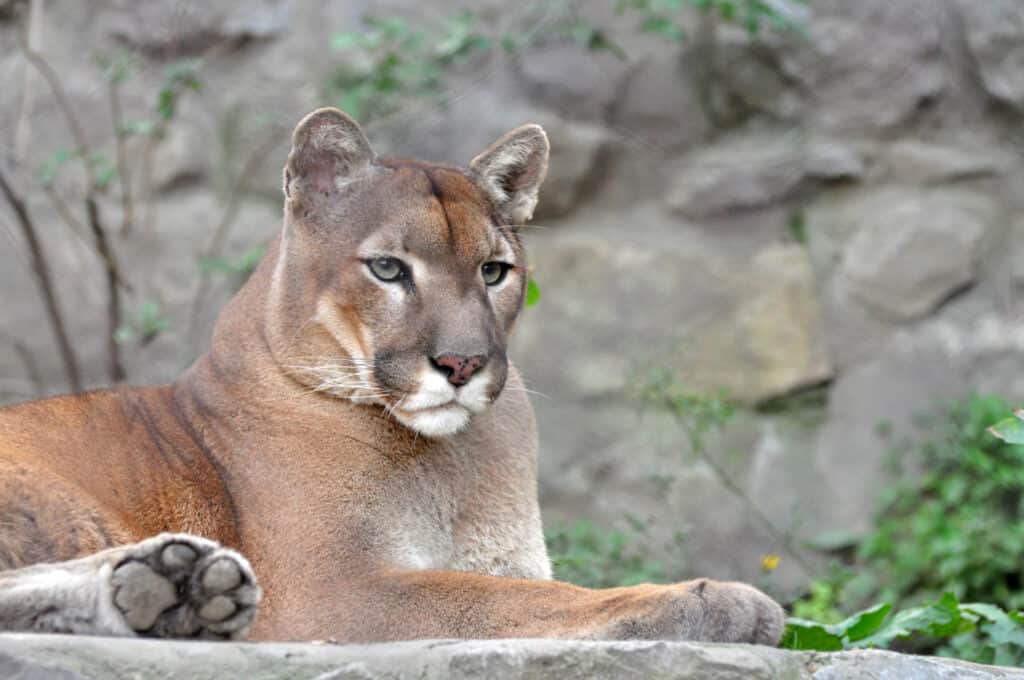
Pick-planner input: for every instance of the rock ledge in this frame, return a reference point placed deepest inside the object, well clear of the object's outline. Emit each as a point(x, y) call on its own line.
point(35, 657)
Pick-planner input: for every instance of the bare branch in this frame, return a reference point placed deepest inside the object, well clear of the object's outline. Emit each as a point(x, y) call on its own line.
point(74, 125)
point(102, 243)
point(116, 368)
point(123, 180)
point(44, 279)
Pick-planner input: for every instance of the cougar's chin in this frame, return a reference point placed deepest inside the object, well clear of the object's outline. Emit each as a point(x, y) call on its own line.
point(437, 421)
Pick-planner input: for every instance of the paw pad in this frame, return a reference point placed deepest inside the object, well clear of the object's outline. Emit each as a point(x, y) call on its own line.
point(176, 585)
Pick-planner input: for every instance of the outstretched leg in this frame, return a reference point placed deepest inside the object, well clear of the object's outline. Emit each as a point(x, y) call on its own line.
point(401, 605)
point(172, 585)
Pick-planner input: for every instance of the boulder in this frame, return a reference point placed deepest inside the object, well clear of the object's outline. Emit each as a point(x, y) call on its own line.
point(898, 252)
point(995, 37)
point(746, 326)
point(869, 65)
point(742, 172)
point(659, 106)
point(921, 162)
point(76, 657)
point(915, 251)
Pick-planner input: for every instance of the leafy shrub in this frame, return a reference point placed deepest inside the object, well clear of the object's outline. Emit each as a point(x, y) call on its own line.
point(978, 632)
point(394, 60)
point(957, 527)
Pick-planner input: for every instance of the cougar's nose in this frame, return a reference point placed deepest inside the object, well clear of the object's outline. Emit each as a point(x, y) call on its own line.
point(457, 367)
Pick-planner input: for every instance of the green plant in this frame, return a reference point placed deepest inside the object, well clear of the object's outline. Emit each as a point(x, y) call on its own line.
point(956, 527)
point(239, 267)
point(821, 603)
point(392, 61)
point(979, 632)
point(589, 556)
point(661, 16)
point(144, 327)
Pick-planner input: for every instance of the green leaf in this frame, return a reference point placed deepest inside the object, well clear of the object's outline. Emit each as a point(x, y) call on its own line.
point(345, 41)
point(165, 103)
point(104, 170)
point(52, 165)
point(662, 26)
point(864, 623)
point(802, 634)
point(1010, 430)
point(532, 292)
point(138, 127)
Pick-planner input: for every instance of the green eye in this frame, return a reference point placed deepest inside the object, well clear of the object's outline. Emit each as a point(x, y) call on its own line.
point(386, 268)
point(494, 272)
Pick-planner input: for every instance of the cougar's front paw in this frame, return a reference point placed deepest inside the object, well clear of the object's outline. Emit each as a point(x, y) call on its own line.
point(736, 612)
point(178, 585)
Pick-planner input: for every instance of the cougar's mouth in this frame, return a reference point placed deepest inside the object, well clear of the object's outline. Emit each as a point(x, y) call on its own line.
point(434, 421)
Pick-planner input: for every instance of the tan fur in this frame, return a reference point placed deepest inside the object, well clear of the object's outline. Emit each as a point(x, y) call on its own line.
point(299, 439)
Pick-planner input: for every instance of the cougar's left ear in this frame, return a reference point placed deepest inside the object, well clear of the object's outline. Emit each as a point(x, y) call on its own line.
point(329, 150)
point(512, 169)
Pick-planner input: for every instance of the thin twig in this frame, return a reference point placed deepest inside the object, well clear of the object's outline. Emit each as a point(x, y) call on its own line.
point(223, 230)
point(44, 279)
point(102, 243)
point(778, 535)
point(116, 368)
point(74, 125)
point(123, 180)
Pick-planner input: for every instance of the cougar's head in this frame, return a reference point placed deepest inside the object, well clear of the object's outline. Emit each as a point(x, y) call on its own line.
point(397, 282)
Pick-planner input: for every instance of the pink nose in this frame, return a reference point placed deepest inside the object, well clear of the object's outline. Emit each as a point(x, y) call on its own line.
point(459, 368)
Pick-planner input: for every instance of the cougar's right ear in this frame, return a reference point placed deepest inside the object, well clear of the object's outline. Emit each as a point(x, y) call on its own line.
point(329, 150)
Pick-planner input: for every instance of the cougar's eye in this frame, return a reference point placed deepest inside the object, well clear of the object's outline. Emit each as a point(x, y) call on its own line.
point(386, 268)
point(494, 272)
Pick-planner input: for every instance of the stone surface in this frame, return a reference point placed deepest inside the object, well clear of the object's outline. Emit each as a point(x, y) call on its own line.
point(34, 657)
point(922, 162)
point(750, 329)
point(743, 172)
point(659, 105)
point(914, 251)
point(869, 64)
point(995, 37)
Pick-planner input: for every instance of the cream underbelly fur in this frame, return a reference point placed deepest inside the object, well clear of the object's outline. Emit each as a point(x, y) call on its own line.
point(354, 458)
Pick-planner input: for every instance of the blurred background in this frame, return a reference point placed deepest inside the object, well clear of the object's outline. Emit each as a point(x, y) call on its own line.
point(777, 260)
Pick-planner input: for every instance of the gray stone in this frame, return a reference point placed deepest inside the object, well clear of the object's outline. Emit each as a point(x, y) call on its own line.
point(922, 162)
point(833, 159)
point(181, 157)
point(592, 285)
point(659, 106)
point(995, 37)
point(576, 150)
point(571, 80)
point(119, 659)
point(870, 64)
point(188, 29)
point(914, 250)
point(14, 668)
point(743, 172)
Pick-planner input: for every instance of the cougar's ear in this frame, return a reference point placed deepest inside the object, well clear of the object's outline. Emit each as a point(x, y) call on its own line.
point(329, 150)
point(512, 169)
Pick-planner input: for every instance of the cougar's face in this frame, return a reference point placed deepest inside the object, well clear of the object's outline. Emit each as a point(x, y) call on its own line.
point(407, 277)
point(423, 301)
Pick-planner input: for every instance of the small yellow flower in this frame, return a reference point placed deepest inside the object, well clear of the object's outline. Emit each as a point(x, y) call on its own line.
point(769, 562)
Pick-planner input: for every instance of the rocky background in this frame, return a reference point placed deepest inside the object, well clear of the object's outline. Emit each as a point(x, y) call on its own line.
point(826, 224)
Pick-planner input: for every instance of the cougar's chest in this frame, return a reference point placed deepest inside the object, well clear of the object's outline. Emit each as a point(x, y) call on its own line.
point(467, 518)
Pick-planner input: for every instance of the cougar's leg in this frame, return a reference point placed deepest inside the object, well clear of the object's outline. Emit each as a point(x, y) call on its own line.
point(60, 573)
point(172, 585)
